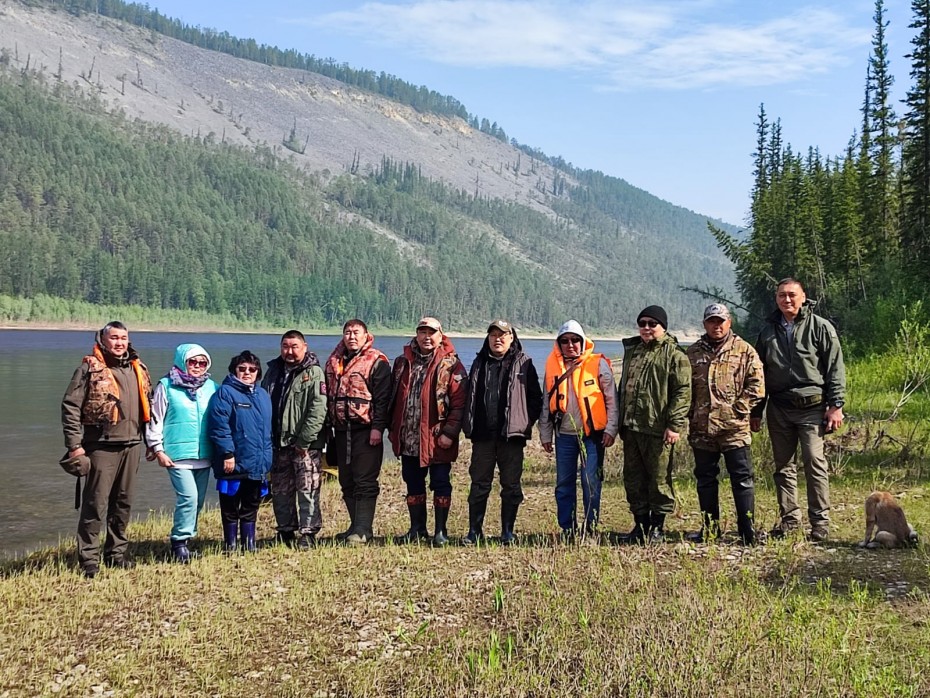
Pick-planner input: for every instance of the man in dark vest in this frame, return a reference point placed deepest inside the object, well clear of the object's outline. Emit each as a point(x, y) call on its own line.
point(103, 414)
point(358, 386)
point(504, 403)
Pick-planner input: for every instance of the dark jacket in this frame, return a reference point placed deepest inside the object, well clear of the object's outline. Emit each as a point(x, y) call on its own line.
point(303, 411)
point(520, 402)
point(435, 419)
point(808, 371)
point(239, 424)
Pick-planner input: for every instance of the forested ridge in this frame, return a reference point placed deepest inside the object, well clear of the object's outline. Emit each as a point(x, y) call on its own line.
point(94, 207)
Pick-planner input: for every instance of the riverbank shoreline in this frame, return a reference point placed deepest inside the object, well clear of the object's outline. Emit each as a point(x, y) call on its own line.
point(684, 338)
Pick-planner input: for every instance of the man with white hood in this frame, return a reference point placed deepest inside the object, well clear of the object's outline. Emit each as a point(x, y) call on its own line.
point(580, 411)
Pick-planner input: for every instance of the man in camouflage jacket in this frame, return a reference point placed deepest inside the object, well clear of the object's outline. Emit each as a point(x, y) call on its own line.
point(726, 383)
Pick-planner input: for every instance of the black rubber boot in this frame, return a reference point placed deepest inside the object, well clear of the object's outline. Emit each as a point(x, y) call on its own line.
point(476, 512)
point(441, 506)
point(351, 508)
point(709, 501)
point(637, 535)
point(180, 551)
point(364, 522)
point(656, 528)
point(416, 506)
point(247, 536)
point(745, 501)
point(508, 521)
point(230, 536)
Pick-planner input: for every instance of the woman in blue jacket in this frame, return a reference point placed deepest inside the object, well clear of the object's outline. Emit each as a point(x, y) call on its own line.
point(239, 425)
point(177, 438)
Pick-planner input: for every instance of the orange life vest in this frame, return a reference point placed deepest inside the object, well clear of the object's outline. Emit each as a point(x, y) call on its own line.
point(347, 383)
point(585, 385)
point(101, 406)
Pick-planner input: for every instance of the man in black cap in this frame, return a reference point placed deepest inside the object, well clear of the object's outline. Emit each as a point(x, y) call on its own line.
point(504, 402)
point(655, 395)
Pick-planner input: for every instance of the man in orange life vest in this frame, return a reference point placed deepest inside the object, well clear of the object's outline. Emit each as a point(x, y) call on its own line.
point(580, 410)
point(358, 389)
point(103, 414)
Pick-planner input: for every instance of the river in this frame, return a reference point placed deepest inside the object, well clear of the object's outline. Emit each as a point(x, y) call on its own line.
point(35, 368)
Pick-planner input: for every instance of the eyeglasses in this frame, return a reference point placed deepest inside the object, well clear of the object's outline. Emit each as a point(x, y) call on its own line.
point(198, 362)
point(246, 369)
point(648, 323)
point(569, 340)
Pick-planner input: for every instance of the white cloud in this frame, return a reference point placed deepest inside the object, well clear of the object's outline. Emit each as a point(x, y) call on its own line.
point(624, 44)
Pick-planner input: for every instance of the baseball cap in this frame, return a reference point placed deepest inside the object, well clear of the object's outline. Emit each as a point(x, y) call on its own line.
point(716, 310)
point(502, 325)
point(430, 322)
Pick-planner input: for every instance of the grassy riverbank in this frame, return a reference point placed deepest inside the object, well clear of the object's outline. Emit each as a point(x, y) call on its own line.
point(541, 619)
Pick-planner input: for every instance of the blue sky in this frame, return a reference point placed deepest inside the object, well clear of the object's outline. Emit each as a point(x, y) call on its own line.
point(662, 93)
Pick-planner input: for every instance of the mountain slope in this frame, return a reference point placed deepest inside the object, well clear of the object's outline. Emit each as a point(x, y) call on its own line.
point(425, 194)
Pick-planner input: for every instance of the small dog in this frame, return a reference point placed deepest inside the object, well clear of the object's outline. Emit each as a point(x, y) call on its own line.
point(883, 512)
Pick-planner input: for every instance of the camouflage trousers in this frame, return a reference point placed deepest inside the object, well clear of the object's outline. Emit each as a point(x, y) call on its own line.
point(295, 489)
point(647, 474)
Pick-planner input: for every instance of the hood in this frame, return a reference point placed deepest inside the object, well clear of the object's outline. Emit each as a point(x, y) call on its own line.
point(574, 327)
point(185, 352)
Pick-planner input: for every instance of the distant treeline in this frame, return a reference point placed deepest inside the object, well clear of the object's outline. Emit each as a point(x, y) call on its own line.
point(420, 97)
point(95, 208)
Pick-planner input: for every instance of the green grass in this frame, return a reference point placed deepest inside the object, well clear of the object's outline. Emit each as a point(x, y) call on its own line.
point(541, 619)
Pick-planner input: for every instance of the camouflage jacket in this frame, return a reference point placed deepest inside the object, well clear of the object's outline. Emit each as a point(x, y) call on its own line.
point(726, 383)
point(655, 389)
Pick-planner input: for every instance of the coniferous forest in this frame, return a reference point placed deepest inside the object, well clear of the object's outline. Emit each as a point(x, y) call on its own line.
point(852, 227)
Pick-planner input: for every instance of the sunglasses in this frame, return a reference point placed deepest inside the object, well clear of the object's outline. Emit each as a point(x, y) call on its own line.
point(567, 340)
point(198, 362)
point(648, 323)
point(246, 369)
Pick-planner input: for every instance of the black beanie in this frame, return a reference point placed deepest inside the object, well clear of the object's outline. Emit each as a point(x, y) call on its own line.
point(656, 312)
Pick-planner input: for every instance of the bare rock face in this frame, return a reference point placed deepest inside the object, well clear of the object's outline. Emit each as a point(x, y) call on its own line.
point(198, 92)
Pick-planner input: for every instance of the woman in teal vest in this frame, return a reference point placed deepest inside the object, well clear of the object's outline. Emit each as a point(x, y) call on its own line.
point(177, 438)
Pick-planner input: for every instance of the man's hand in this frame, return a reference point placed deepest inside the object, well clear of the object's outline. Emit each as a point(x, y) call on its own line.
point(444, 441)
point(547, 446)
point(833, 419)
point(229, 464)
point(608, 440)
point(374, 438)
point(75, 452)
point(755, 424)
point(671, 437)
point(164, 460)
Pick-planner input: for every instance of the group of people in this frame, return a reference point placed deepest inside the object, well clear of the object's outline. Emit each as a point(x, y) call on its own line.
point(276, 427)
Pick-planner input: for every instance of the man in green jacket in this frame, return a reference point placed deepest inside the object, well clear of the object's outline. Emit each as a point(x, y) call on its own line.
point(655, 395)
point(805, 385)
point(297, 387)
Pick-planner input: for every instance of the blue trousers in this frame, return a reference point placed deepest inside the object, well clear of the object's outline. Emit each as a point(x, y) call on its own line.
point(191, 489)
point(568, 451)
point(440, 480)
